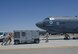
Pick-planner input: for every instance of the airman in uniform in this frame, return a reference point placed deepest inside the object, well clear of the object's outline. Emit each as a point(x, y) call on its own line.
point(46, 36)
point(7, 38)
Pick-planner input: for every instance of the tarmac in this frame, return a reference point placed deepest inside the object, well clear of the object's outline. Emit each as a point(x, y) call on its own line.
point(43, 44)
point(54, 46)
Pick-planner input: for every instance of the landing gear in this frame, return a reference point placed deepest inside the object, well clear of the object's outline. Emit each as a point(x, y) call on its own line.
point(67, 37)
point(36, 41)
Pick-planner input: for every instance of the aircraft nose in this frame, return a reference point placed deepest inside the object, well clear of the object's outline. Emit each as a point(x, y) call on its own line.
point(39, 24)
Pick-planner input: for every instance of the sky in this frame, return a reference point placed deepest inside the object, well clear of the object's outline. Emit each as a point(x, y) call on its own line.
point(24, 14)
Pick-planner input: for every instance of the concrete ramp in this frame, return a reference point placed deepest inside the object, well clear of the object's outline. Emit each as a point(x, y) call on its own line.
point(42, 44)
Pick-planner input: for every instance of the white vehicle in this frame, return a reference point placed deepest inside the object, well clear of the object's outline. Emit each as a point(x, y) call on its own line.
point(26, 36)
point(2, 34)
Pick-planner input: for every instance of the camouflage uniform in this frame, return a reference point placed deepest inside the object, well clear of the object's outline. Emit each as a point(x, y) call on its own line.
point(7, 39)
point(47, 36)
point(67, 37)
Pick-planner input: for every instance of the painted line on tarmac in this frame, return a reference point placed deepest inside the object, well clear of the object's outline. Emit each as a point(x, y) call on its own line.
point(38, 48)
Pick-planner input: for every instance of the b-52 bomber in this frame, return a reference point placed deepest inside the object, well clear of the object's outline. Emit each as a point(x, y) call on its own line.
point(59, 24)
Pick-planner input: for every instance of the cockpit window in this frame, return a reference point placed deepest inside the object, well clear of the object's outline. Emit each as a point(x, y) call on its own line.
point(46, 19)
point(51, 18)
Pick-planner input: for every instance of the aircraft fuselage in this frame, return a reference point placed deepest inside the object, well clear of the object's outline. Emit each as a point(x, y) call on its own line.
point(59, 24)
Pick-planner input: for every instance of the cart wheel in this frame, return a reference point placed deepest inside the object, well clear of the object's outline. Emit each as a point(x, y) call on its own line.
point(16, 42)
point(36, 40)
